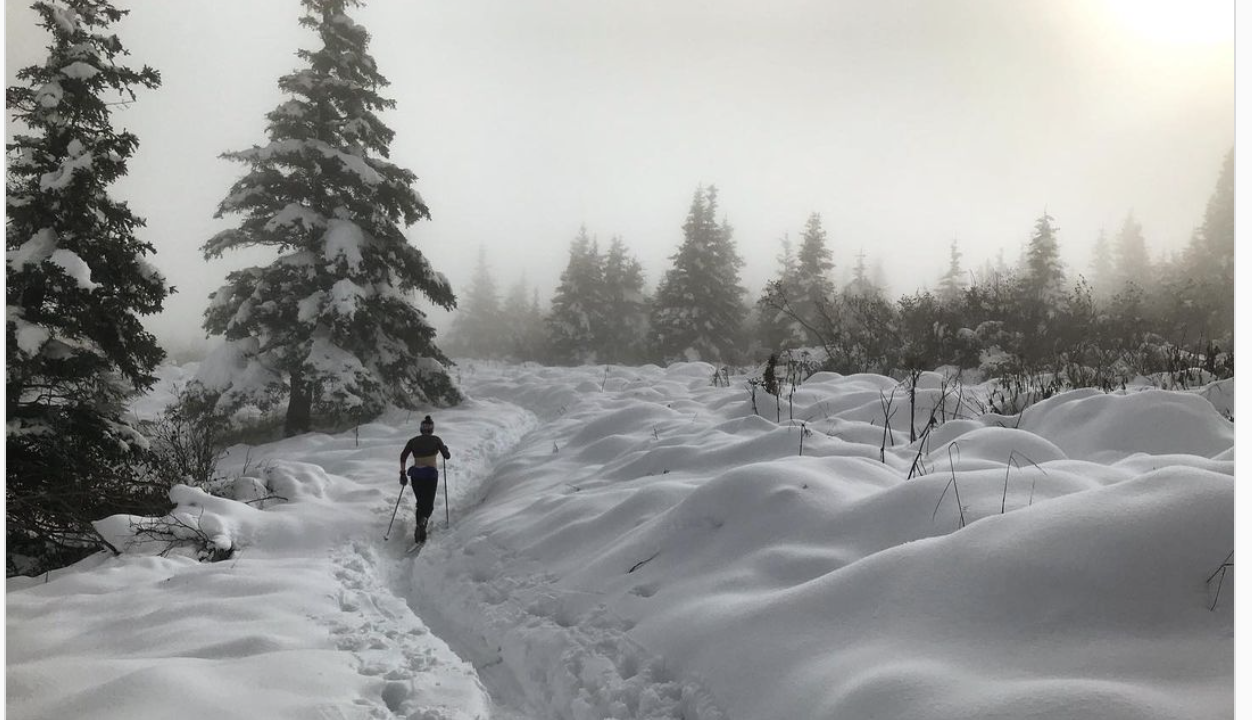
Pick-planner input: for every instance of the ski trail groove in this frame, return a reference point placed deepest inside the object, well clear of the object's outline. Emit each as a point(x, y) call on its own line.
point(541, 651)
point(411, 672)
point(416, 674)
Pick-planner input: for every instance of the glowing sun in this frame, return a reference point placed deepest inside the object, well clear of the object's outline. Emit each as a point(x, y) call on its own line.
point(1177, 21)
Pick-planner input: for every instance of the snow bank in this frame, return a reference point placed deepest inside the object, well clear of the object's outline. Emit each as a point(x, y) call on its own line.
point(1149, 421)
point(302, 619)
point(657, 545)
point(158, 637)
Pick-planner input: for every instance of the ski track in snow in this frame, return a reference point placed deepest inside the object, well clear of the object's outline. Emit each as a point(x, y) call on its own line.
point(390, 601)
point(419, 675)
point(421, 678)
point(574, 658)
point(592, 666)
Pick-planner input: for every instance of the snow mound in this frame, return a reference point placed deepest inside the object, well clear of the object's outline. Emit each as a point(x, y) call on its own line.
point(1147, 421)
point(995, 446)
point(215, 526)
point(1222, 395)
point(937, 628)
point(780, 579)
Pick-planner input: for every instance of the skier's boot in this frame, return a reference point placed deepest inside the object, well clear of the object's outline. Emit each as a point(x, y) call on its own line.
point(419, 532)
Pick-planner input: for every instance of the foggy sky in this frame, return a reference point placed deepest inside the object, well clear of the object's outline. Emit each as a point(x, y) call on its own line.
point(905, 123)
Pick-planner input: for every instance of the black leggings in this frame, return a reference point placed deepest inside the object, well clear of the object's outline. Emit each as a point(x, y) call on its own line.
point(425, 482)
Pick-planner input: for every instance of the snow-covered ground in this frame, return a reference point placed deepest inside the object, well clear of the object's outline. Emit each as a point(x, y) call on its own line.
point(638, 543)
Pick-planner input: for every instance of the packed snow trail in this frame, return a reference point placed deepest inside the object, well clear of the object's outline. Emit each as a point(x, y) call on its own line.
point(420, 677)
point(544, 650)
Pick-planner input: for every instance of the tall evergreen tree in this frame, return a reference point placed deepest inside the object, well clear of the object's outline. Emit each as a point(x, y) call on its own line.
point(1102, 274)
point(813, 267)
point(813, 261)
point(1044, 278)
point(577, 318)
point(1132, 262)
point(625, 313)
point(522, 329)
point(698, 312)
point(1198, 298)
point(76, 284)
point(952, 284)
point(478, 330)
point(777, 329)
point(1205, 281)
point(512, 313)
point(861, 285)
point(1218, 231)
point(329, 325)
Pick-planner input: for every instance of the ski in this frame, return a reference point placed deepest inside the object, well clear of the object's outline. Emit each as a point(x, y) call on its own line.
point(414, 549)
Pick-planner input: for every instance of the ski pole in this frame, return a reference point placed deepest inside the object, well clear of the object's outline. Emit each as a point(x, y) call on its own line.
point(447, 514)
point(393, 513)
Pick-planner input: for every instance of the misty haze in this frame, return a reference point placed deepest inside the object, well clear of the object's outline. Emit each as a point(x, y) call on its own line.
point(814, 359)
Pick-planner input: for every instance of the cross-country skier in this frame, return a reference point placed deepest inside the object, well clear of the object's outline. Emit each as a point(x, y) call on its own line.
point(425, 449)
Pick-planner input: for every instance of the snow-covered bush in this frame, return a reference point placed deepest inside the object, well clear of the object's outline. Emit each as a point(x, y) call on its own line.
point(187, 439)
point(200, 525)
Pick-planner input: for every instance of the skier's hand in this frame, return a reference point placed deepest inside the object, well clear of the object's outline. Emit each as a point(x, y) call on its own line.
point(403, 480)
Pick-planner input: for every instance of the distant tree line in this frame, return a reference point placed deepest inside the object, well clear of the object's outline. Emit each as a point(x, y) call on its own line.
point(1132, 317)
point(1126, 316)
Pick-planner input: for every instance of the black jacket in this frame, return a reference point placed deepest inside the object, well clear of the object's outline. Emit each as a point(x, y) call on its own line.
point(424, 447)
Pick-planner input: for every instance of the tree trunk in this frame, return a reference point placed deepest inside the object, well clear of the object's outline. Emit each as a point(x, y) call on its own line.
point(299, 407)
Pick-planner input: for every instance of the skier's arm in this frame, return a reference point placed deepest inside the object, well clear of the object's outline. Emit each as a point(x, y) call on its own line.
point(444, 450)
point(404, 458)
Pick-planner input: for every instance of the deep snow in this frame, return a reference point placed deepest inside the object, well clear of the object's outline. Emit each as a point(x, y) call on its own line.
point(636, 542)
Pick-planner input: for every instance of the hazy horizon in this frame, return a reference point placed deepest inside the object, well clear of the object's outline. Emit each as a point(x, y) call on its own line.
point(905, 123)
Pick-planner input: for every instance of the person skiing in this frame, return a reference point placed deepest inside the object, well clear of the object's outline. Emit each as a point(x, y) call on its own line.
point(425, 449)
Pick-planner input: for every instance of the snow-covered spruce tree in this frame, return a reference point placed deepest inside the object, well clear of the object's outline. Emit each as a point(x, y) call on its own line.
point(861, 285)
point(776, 328)
point(1039, 314)
point(625, 326)
point(1217, 235)
point(329, 325)
point(952, 284)
point(698, 311)
point(76, 284)
point(1201, 287)
point(576, 322)
point(478, 330)
point(1214, 254)
point(1044, 276)
point(1131, 253)
point(523, 331)
point(1103, 281)
point(813, 268)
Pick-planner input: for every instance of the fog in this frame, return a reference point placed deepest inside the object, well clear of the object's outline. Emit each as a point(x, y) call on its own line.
point(905, 123)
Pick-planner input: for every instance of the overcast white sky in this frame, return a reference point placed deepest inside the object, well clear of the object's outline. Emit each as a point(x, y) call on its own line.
point(905, 123)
